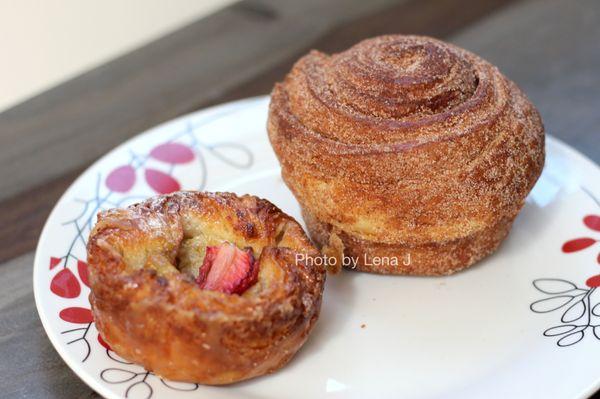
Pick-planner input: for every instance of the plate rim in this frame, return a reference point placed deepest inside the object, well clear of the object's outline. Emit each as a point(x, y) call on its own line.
point(60, 348)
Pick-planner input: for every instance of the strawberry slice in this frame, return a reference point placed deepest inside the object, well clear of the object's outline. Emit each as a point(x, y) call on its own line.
point(228, 269)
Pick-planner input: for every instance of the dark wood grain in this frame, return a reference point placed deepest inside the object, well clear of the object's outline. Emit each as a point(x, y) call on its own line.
point(437, 18)
point(23, 216)
point(549, 47)
point(29, 365)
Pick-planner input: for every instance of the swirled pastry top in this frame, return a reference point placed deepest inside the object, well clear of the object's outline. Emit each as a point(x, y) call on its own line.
point(398, 109)
point(399, 90)
point(405, 139)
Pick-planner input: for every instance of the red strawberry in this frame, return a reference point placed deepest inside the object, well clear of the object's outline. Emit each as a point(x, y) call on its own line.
point(228, 269)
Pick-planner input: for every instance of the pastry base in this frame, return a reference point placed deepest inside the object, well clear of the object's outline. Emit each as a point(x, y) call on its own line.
point(427, 259)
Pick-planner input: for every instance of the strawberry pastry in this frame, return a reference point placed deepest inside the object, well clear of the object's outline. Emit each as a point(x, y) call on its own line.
point(203, 287)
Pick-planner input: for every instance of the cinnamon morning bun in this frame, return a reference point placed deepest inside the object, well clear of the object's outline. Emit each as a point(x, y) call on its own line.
point(203, 287)
point(408, 155)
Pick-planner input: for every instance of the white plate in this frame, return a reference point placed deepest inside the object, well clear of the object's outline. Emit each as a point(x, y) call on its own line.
point(521, 324)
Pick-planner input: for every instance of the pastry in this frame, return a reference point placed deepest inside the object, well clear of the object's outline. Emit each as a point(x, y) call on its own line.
point(408, 155)
point(200, 287)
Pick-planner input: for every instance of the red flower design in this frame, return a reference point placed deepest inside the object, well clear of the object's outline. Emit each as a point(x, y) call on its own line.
point(103, 342)
point(65, 284)
point(161, 182)
point(173, 153)
point(592, 222)
point(76, 315)
point(82, 269)
point(54, 262)
point(578, 244)
point(593, 281)
point(121, 179)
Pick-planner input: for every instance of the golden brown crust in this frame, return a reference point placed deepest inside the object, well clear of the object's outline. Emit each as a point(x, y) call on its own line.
point(153, 314)
point(407, 142)
point(382, 258)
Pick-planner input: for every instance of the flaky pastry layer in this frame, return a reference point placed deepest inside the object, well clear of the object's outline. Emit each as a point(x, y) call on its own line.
point(143, 260)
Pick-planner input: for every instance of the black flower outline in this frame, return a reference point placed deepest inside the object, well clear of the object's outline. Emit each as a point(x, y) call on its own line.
point(141, 380)
point(577, 317)
point(82, 338)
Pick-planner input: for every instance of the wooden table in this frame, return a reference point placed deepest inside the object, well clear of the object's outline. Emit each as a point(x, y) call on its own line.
point(551, 48)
